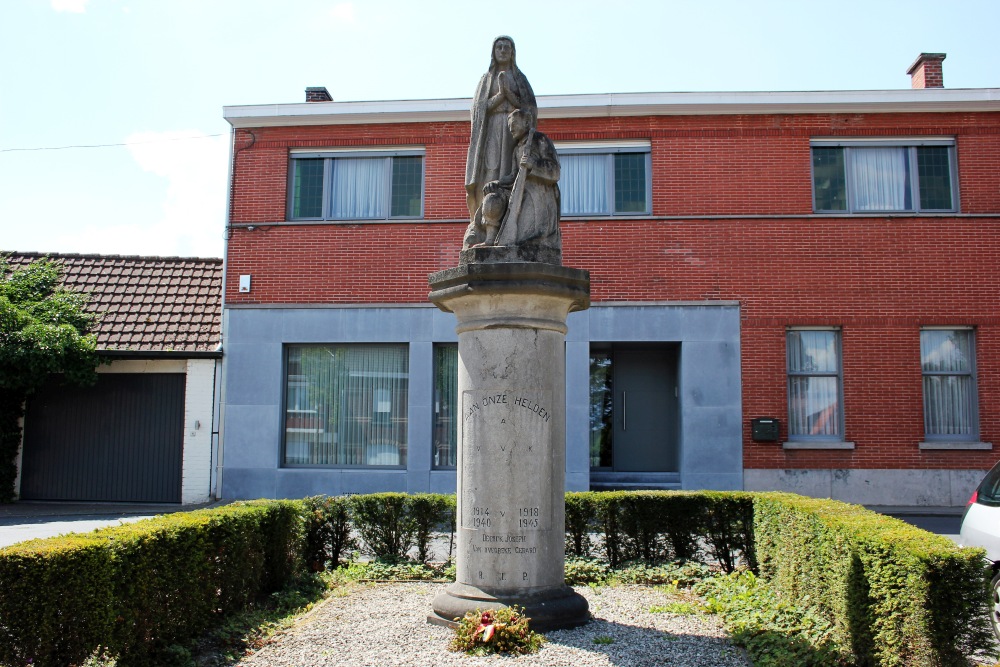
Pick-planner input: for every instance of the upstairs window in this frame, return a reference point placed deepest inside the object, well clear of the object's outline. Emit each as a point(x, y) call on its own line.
point(601, 180)
point(878, 176)
point(356, 185)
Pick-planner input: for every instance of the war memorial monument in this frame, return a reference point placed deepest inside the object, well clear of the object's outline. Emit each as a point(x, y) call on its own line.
point(511, 297)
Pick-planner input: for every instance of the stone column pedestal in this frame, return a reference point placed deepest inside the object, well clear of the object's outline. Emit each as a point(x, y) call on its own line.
point(511, 433)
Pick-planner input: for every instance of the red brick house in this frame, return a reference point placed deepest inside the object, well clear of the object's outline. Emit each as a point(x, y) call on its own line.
point(825, 264)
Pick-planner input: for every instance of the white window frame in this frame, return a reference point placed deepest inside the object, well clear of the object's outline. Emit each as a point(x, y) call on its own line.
point(909, 143)
point(610, 150)
point(328, 155)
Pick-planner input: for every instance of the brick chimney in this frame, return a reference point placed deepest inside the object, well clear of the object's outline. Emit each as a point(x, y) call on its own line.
point(318, 94)
point(925, 72)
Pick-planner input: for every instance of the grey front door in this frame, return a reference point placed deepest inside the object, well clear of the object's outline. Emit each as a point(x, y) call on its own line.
point(645, 409)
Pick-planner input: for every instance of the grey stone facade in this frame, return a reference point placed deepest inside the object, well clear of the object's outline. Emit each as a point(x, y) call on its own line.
point(710, 415)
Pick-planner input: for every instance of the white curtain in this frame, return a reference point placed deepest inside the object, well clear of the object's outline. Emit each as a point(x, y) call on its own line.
point(358, 189)
point(350, 405)
point(880, 179)
point(949, 397)
point(814, 406)
point(583, 184)
point(813, 400)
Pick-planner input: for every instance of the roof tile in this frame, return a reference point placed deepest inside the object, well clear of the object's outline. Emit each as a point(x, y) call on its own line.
point(149, 303)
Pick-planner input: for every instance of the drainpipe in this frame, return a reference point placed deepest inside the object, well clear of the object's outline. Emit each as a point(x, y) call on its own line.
point(218, 413)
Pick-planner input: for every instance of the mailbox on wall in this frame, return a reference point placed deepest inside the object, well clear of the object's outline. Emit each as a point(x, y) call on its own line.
point(764, 429)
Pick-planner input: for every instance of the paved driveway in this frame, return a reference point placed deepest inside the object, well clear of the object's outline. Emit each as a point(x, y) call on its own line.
point(27, 520)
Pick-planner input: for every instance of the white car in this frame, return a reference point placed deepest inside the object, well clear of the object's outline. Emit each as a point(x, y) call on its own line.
point(981, 528)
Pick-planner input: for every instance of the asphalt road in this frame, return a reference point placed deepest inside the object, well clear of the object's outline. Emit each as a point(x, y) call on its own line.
point(28, 520)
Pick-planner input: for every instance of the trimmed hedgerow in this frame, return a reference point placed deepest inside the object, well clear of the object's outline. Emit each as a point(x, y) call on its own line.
point(139, 588)
point(327, 531)
point(390, 524)
point(432, 513)
point(654, 526)
point(581, 514)
point(893, 595)
point(896, 595)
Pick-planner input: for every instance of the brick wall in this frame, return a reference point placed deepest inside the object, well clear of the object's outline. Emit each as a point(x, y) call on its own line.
point(879, 278)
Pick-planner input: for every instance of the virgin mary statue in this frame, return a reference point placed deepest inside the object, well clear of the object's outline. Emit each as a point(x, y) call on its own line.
point(491, 149)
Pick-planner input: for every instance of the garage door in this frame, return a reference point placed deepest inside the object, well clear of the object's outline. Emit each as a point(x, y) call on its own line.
point(120, 440)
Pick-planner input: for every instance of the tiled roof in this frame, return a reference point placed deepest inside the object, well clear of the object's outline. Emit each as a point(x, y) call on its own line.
point(146, 303)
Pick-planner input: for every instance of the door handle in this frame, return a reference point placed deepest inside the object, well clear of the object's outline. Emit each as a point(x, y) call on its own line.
point(624, 414)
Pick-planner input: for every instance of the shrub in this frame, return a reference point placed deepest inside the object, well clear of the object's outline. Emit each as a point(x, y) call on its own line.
point(390, 524)
point(431, 512)
point(385, 524)
point(580, 519)
point(727, 525)
point(895, 595)
point(775, 632)
point(138, 589)
point(327, 531)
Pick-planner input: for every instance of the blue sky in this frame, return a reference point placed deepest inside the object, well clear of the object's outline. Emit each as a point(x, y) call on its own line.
point(152, 76)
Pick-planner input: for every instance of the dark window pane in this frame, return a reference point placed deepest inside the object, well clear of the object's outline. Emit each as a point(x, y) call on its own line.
point(601, 396)
point(407, 177)
point(307, 189)
point(630, 183)
point(445, 453)
point(934, 173)
point(829, 182)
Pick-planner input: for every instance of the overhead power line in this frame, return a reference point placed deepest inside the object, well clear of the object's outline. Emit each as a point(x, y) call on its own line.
point(129, 143)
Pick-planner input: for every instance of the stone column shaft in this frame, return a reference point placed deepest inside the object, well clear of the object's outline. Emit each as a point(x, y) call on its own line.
point(512, 441)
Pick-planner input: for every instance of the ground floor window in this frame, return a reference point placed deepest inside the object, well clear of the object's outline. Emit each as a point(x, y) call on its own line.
point(947, 360)
point(814, 384)
point(346, 405)
point(445, 445)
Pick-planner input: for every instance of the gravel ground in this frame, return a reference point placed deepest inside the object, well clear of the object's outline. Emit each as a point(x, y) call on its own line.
point(385, 624)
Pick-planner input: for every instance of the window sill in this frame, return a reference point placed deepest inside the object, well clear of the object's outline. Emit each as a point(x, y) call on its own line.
point(817, 444)
point(942, 445)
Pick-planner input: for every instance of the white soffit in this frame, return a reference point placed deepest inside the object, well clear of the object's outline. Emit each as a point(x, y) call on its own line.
point(933, 100)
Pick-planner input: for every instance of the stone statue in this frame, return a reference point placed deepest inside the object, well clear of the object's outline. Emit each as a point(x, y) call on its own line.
point(491, 149)
point(532, 216)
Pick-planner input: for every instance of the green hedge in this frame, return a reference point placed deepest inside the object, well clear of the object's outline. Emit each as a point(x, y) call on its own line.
point(895, 594)
point(139, 588)
point(390, 524)
point(653, 526)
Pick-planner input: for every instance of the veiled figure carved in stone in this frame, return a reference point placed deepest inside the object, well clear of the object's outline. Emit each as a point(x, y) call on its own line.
point(491, 148)
point(532, 191)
